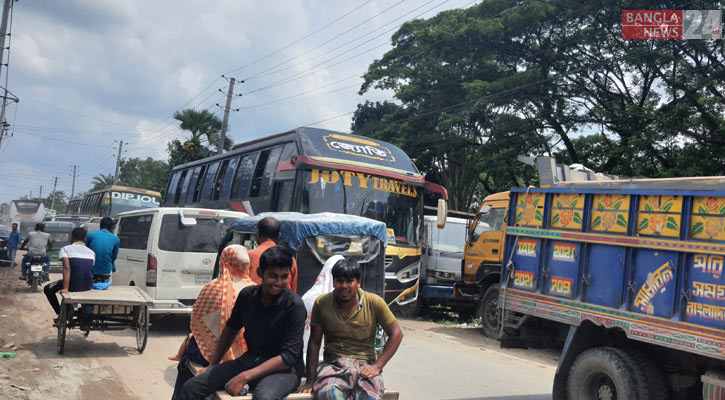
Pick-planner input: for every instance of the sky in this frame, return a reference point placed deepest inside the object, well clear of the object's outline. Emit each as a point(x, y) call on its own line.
point(91, 73)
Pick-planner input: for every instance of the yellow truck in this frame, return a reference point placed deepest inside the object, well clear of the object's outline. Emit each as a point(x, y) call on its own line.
point(482, 262)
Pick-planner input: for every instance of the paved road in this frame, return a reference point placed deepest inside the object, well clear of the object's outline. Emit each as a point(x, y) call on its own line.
point(435, 361)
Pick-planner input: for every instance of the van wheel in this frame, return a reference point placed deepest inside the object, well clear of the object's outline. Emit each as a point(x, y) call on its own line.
point(490, 313)
point(606, 373)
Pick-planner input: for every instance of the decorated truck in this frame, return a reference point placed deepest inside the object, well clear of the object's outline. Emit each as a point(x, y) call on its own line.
point(635, 269)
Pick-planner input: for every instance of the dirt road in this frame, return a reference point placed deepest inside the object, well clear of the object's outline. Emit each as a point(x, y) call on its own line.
point(435, 361)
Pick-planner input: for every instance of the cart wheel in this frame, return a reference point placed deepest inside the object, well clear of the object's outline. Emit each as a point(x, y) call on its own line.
point(142, 329)
point(62, 326)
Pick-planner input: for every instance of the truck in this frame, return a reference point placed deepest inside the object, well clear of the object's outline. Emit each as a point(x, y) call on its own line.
point(634, 269)
point(441, 266)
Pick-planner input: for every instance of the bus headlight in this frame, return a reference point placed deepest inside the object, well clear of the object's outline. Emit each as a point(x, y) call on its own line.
point(409, 273)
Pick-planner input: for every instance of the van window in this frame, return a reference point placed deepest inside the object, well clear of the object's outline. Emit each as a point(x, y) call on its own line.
point(209, 181)
point(134, 231)
point(451, 238)
point(263, 172)
point(226, 181)
point(204, 237)
point(240, 188)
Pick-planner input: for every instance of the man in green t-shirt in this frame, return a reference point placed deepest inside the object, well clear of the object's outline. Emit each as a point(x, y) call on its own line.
point(348, 319)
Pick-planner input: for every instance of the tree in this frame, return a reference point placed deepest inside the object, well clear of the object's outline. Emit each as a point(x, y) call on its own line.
point(204, 127)
point(145, 174)
point(477, 87)
point(59, 205)
point(102, 180)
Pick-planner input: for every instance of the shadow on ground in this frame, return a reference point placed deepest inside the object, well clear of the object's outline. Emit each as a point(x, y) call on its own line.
point(520, 397)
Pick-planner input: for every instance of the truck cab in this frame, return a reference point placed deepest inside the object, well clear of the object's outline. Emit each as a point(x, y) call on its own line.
point(481, 264)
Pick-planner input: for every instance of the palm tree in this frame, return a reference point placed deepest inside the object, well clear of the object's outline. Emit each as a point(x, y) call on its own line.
point(203, 125)
point(102, 180)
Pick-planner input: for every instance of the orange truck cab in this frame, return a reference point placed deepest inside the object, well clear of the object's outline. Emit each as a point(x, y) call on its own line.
point(482, 261)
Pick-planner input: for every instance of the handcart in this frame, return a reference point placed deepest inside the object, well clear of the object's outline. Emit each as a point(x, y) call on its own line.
point(116, 308)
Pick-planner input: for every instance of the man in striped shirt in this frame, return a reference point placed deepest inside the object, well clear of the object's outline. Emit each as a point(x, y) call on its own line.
point(78, 263)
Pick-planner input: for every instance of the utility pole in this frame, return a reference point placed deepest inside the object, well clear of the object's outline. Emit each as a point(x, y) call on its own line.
point(73, 188)
point(41, 192)
point(52, 196)
point(118, 162)
point(223, 135)
point(3, 35)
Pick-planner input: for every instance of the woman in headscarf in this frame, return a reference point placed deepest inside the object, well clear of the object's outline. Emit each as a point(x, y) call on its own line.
point(211, 310)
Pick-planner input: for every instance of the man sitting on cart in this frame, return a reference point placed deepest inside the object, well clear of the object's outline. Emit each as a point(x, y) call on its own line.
point(78, 263)
point(348, 319)
point(273, 318)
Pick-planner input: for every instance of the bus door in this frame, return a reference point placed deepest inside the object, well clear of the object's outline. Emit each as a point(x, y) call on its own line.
point(283, 188)
point(261, 185)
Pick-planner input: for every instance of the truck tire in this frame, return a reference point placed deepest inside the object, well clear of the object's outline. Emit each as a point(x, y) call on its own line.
point(656, 383)
point(490, 313)
point(606, 373)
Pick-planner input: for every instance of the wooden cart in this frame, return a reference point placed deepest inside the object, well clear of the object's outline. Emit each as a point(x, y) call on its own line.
point(117, 308)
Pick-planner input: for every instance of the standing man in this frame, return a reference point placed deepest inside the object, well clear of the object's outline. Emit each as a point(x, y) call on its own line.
point(273, 318)
point(268, 236)
point(105, 245)
point(13, 243)
point(77, 262)
point(348, 319)
point(38, 244)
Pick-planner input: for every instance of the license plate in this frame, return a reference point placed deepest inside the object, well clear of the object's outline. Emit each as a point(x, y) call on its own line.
point(202, 279)
point(36, 268)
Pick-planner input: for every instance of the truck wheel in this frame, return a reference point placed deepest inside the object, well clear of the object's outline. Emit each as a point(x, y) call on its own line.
point(606, 373)
point(656, 383)
point(490, 313)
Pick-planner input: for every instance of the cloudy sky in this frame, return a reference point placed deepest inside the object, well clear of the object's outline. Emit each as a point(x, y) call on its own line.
point(92, 72)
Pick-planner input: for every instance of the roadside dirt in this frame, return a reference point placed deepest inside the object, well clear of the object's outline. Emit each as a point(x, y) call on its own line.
point(38, 372)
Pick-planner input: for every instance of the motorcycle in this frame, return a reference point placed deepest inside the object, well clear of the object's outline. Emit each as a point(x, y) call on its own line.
point(34, 272)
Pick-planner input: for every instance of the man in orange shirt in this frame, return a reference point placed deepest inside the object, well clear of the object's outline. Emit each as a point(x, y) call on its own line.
point(268, 236)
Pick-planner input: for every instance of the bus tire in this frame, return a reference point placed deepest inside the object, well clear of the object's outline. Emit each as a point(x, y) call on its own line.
point(606, 372)
point(490, 313)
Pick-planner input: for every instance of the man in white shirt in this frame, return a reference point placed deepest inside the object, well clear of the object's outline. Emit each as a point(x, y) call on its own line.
point(77, 262)
point(38, 244)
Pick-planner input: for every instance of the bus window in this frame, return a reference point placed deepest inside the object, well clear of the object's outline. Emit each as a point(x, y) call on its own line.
point(226, 182)
point(219, 179)
point(242, 179)
point(263, 172)
point(173, 184)
point(285, 168)
point(283, 193)
point(199, 183)
point(181, 188)
point(191, 188)
point(209, 182)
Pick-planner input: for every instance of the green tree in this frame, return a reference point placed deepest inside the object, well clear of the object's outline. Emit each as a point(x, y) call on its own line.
point(475, 88)
point(145, 173)
point(204, 128)
point(102, 180)
point(60, 203)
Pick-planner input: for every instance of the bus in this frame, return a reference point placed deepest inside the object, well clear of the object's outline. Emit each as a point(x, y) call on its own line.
point(113, 200)
point(26, 210)
point(313, 170)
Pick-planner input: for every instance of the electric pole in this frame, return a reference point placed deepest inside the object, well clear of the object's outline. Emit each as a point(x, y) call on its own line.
point(52, 196)
point(41, 192)
point(118, 162)
point(3, 34)
point(73, 188)
point(223, 135)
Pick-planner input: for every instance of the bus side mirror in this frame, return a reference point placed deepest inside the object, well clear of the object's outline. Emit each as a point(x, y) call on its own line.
point(442, 213)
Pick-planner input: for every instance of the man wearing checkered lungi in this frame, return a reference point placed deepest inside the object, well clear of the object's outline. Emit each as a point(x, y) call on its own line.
point(348, 319)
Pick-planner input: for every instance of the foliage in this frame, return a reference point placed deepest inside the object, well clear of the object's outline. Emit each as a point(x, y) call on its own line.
point(102, 180)
point(477, 87)
point(205, 129)
point(145, 174)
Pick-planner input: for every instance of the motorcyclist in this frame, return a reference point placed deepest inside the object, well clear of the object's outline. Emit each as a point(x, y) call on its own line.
point(38, 244)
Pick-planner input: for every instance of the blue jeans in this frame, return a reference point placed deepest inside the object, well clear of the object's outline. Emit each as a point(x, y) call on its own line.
point(11, 256)
point(27, 258)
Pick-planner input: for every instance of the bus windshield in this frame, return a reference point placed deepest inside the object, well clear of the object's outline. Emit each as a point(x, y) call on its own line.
point(125, 201)
point(387, 200)
point(27, 207)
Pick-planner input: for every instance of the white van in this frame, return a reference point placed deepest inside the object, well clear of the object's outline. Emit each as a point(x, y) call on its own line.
point(170, 252)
